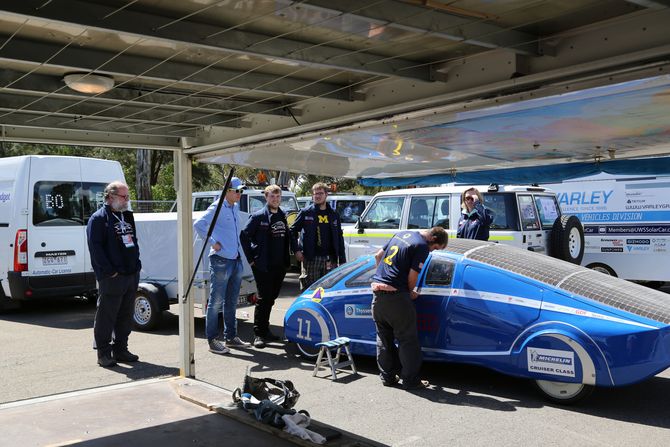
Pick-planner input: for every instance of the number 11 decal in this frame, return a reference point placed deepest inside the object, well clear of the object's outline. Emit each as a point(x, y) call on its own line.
point(308, 326)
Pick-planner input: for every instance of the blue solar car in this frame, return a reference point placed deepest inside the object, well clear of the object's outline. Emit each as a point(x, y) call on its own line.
point(518, 312)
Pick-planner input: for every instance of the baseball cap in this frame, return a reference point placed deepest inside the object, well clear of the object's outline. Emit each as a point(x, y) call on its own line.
point(236, 183)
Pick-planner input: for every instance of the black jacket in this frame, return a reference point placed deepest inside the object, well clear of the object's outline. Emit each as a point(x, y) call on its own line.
point(306, 224)
point(476, 224)
point(256, 235)
point(108, 254)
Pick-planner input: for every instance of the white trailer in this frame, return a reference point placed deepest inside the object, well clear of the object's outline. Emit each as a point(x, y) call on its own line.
point(626, 223)
point(157, 238)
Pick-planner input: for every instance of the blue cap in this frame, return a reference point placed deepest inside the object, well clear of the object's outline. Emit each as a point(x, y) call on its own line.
point(236, 183)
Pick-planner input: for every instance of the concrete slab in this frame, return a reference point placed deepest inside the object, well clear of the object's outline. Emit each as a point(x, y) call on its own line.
point(144, 413)
point(159, 412)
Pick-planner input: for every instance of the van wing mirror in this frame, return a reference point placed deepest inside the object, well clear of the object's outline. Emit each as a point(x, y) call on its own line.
point(360, 226)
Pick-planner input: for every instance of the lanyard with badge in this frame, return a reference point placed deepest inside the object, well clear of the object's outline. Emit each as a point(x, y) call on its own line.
point(127, 239)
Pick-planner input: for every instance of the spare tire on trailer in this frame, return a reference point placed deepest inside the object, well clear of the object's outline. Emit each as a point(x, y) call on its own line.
point(567, 239)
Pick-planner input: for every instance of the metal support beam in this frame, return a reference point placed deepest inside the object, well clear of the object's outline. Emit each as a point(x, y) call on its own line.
point(427, 21)
point(203, 35)
point(23, 134)
point(88, 124)
point(75, 58)
point(12, 81)
point(128, 113)
point(183, 185)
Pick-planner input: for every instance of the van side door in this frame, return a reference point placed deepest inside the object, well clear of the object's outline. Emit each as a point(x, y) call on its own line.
point(377, 225)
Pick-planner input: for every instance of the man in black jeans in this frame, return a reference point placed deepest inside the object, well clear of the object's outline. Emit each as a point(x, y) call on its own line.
point(393, 310)
point(265, 241)
point(115, 256)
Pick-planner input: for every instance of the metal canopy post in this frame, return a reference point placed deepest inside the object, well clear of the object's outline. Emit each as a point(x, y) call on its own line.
point(183, 185)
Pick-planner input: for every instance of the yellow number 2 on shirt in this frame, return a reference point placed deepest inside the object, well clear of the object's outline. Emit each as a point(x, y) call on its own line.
point(394, 251)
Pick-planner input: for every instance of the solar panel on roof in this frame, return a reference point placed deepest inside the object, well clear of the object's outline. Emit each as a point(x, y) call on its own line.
point(574, 279)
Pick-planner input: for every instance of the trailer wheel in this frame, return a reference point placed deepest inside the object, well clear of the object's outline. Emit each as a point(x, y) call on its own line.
point(146, 313)
point(563, 393)
point(567, 239)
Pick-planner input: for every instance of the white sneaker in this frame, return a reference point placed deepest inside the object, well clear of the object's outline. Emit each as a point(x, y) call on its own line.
point(237, 343)
point(217, 347)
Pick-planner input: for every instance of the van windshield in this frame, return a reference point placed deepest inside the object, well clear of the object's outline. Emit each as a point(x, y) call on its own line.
point(66, 203)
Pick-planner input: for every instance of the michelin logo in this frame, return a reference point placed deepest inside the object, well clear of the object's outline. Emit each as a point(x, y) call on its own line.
point(551, 361)
point(357, 311)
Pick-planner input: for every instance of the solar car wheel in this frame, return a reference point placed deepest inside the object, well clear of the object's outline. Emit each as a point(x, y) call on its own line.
point(563, 393)
point(308, 352)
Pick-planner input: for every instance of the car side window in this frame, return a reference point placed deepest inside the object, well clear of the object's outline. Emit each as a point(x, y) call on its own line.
point(363, 279)
point(202, 203)
point(529, 220)
point(440, 272)
point(420, 212)
point(548, 209)
point(384, 212)
point(441, 213)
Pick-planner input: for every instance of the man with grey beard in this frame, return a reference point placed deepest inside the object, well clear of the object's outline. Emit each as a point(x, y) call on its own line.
point(115, 256)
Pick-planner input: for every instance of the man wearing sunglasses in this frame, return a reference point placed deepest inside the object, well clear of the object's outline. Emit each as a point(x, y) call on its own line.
point(115, 257)
point(225, 268)
point(475, 219)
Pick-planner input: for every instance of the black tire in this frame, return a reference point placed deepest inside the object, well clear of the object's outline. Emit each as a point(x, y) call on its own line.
point(562, 393)
point(307, 352)
point(602, 268)
point(567, 239)
point(146, 312)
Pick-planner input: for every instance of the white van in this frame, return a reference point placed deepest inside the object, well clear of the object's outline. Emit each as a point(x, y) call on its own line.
point(626, 223)
point(525, 217)
point(45, 204)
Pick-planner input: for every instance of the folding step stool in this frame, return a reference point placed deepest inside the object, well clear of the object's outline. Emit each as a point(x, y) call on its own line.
point(332, 350)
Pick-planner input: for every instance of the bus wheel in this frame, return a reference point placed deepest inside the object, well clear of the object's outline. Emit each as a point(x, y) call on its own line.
point(602, 268)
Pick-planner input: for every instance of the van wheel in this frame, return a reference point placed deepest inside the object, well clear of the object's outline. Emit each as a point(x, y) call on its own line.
point(567, 239)
point(563, 393)
point(602, 268)
point(146, 313)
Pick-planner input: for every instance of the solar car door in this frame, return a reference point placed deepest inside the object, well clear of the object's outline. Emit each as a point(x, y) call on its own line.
point(488, 309)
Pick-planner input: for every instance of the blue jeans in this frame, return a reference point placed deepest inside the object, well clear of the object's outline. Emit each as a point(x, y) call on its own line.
point(225, 277)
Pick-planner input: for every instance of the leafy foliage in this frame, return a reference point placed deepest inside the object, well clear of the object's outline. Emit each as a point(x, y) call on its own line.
point(206, 177)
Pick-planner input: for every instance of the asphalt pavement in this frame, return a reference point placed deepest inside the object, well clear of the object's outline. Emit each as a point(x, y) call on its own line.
point(47, 349)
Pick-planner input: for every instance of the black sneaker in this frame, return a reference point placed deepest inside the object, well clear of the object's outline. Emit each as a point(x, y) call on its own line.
point(271, 337)
point(106, 361)
point(126, 356)
point(259, 343)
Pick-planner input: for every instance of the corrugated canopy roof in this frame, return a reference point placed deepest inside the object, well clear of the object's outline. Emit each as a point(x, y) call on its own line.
point(370, 88)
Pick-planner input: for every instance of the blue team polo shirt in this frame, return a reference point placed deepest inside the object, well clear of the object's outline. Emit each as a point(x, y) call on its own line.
point(406, 250)
point(226, 230)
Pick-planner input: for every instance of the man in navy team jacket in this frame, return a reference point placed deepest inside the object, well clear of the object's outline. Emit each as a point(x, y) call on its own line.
point(265, 240)
point(321, 246)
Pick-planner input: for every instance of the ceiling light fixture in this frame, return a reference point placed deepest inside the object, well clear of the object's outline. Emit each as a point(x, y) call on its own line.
point(89, 82)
